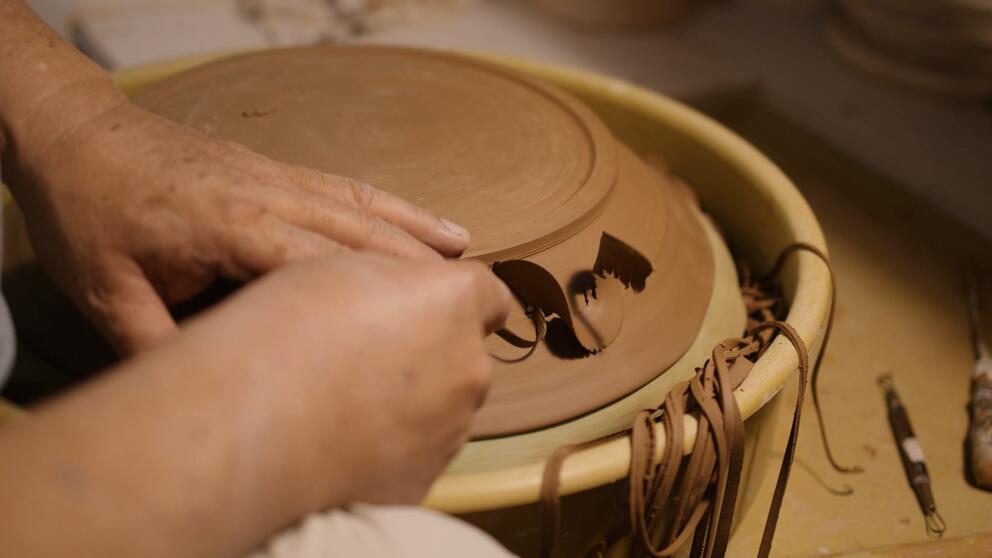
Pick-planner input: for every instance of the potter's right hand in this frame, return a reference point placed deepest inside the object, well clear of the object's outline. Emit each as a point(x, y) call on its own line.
point(326, 382)
point(371, 367)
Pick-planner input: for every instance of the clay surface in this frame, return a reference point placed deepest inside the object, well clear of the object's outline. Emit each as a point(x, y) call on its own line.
point(530, 171)
point(522, 165)
point(587, 316)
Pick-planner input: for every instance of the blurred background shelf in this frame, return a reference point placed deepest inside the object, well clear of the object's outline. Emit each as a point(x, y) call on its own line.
point(936, 148)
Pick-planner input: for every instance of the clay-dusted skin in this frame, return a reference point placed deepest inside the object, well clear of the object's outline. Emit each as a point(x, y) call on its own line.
point(530, 171)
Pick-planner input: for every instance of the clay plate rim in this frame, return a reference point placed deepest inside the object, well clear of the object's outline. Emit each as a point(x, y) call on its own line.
point(574, 213)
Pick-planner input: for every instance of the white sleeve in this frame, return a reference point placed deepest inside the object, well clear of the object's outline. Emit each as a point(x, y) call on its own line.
point(364, 531)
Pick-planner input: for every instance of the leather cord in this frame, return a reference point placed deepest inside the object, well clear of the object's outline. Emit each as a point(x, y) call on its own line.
point(674, 500)
point(814, 388)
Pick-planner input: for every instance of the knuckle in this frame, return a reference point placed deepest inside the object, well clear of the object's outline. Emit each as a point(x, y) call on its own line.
point(361, 194)
point(99, 301)
point(241, 213)
point(419, 213)
point(469, 279)
point(478, 373)
point(371, 227)
point(469, 276)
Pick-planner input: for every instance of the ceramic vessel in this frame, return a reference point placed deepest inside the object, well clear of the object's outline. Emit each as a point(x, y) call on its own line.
point(750, 200)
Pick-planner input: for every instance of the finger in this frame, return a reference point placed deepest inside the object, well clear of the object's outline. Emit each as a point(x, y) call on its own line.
point(449, 239)
point(130, 312)
point(491, 296)
point(346, 224)
point(271, 244)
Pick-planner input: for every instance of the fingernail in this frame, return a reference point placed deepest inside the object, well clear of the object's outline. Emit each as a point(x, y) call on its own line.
point(455, 229)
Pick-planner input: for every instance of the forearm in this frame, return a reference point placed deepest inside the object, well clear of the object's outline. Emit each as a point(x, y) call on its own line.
point(46, 86)
point(178, 456)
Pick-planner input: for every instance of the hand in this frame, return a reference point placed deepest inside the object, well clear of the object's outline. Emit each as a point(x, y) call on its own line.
point(371, 367)
point(337, 380)
point(130, 213)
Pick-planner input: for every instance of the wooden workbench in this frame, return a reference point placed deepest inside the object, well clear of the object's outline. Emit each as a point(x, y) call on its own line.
point(901, 308)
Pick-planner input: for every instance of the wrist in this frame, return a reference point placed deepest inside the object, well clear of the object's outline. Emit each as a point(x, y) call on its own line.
point(53, 86)
point(31, 129)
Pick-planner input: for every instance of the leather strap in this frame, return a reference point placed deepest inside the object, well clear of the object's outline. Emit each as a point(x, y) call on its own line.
point(702, 508)
point(771, 276)
point(790, 448)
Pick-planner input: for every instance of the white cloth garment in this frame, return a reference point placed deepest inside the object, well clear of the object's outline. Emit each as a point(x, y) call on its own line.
point(364, 531)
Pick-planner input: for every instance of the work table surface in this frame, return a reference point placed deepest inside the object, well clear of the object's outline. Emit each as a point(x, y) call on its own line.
point(901, 308)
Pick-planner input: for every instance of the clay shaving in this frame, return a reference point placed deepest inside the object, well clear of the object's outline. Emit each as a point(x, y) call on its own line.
point(593, 318)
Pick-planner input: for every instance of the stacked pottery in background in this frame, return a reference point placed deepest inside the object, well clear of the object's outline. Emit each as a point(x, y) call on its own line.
point(936, 46)
point(618, 13)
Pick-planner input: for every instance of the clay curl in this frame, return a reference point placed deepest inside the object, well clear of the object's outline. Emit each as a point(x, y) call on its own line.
point(586, 316)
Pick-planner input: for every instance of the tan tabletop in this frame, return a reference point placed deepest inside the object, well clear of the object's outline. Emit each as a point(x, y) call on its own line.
point(901, 308)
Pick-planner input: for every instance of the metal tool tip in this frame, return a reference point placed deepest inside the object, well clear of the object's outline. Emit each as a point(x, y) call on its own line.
point(885, 380)
point(935, 523)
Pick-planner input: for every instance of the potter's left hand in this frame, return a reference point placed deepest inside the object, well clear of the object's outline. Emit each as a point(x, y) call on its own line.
point(130, 212)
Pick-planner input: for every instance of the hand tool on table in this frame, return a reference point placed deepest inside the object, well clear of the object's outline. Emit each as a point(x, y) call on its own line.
point(980, 430)
point(911, 453)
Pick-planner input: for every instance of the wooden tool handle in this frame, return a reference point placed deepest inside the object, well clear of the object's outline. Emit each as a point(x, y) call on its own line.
point(980, 434)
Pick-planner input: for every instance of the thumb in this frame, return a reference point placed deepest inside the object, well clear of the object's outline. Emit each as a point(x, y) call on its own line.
point(130, 313)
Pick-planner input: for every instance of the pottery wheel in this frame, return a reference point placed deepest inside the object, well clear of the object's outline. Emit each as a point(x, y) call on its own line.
point(531, 172)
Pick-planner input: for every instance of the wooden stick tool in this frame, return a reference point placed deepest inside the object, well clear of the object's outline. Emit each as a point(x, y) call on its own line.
point(911, 453)
point(980, 431)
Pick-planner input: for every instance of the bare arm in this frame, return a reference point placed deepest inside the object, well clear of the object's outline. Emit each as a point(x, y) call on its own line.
point(279, 402)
